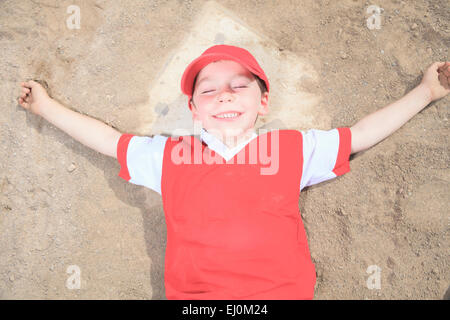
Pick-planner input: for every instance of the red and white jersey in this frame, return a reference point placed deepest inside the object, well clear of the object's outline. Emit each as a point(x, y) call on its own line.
point(141, 157)
point(232, 232)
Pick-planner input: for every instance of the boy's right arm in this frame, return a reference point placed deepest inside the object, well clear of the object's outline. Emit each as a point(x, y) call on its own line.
point(89, 131)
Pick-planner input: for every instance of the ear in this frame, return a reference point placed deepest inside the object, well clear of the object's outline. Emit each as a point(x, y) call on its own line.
point(193, 110)
point(264, 109)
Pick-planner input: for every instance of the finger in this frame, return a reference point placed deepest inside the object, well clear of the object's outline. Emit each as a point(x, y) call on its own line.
point(439, 66)
point(444, 81)
point(23, 103)
point(446, 70)
point(30, 84)
point(26, 90)
point(443, 66)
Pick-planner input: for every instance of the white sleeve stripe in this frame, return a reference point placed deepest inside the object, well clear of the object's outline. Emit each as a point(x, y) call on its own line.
point(145, 159)
point(320, 151)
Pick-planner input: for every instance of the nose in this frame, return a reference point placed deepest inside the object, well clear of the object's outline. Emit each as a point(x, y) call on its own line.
point(225, 94)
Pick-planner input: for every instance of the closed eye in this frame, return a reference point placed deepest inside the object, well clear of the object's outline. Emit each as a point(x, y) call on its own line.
point(234, 87)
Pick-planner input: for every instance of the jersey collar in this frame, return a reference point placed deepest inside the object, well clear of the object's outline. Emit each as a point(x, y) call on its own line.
point(221, 148)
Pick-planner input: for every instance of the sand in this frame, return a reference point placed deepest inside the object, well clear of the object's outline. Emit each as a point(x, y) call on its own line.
point(65, 213)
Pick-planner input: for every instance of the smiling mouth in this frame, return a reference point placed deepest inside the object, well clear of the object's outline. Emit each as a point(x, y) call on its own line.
point(228, 116)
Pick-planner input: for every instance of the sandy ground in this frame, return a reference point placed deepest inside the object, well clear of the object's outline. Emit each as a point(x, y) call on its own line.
point(63, 205)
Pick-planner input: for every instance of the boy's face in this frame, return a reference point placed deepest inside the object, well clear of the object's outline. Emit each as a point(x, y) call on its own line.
point(226, 86)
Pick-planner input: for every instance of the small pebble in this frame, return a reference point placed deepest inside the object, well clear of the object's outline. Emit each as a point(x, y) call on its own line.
point(71, 167)
point(342, 212)
point(414, 26)
point(344, 55)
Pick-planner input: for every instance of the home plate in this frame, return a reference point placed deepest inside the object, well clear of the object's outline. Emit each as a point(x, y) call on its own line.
point(289, 106)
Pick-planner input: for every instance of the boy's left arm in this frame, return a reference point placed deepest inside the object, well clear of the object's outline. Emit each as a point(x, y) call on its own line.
point(377, 126)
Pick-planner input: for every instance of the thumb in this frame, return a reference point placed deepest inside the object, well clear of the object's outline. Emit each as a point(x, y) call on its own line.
point(40, 84)
point(32, 83)
point(440, 65)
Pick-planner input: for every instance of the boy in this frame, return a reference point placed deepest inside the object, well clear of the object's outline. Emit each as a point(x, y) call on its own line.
point(233, 230)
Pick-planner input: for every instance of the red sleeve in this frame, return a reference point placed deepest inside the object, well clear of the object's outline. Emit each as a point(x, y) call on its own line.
point(345, 146)
point(122, 147)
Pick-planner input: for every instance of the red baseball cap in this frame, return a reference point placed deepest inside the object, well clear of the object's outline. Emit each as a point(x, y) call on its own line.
point(220, 52)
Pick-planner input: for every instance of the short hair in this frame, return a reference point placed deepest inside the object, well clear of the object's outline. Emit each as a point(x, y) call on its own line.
point(261, 84)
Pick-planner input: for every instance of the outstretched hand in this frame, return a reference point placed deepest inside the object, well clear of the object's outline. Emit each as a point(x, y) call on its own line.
point(33, 96)
point(437, 80)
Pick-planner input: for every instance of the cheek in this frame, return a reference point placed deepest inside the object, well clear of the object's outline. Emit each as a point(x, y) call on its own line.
point(204, 103)
point(252, 98)
point(201, 101)
point(203, 110)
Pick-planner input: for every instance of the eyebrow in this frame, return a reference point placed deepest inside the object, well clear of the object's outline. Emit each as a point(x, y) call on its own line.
point(236, 76)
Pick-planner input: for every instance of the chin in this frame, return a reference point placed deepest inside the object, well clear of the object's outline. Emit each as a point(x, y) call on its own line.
point(233, 131)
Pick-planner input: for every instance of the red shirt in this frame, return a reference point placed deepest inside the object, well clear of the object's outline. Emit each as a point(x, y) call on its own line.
point(232, 232)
